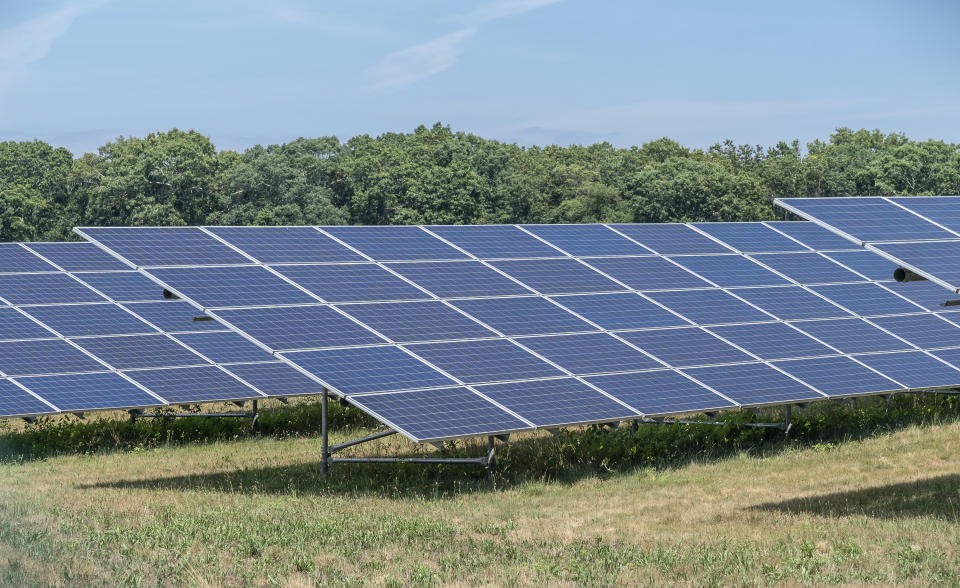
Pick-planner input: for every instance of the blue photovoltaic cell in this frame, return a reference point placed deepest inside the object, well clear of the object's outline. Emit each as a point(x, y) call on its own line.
point(772, 340)
point(45, 289)
point(395, 243)
point(78, 257)
point(670, 238)
point(557, 276)
point(944, 210)
point(685, 347)
point(913, 369)
point(851, 335)
point(140, 351)
point(15, 401)
point(491, 360)
point(275, 379)
point(440, 414)
point(285, 244)
point(808, 268)
point(193, 384)
point(647, 273)
point(729, 270)
point(750, 237)
point(50, 356)
point(14, 325)
point(937, 258)
point(951, 356)
point(495, 241)
point(838, 376)
point(89, 391)
point(299, 327)
point(587, 240)
point(89, 320)
point(417, 321)
point(927, 294)
point(224, 347)
point(547, 403)
point(124, 286)
point(812, 235)
point(709, 307)
point(523, 316)
point(213, 287)
point(660, 392)
point(592, 353)
point(14, 258)
point(369, 369)
point(867, 219)
point(923, 330)
point(866, 299)
point(451, 279)
point(156, 246)
point(753, 383)
point(792, 302)
point(620, 311)
point(351, 282)
point(173, 317)
point(867, 263)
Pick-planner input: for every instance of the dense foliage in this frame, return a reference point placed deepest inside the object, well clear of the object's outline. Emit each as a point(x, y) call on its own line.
point(434, 175)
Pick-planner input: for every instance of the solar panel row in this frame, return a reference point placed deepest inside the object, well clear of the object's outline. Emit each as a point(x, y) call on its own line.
point(455, 331)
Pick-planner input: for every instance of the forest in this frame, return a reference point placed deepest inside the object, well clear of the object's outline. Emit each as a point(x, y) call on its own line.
point(437, 176)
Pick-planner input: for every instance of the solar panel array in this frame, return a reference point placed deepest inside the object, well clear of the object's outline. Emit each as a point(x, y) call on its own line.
point(81, 331)
point(451, 331)
point(920, 233)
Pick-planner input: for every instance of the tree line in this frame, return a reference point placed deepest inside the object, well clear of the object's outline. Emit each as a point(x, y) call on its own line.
point(437, 176)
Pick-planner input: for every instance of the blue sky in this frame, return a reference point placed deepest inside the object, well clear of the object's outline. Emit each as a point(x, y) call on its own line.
point(78, 73)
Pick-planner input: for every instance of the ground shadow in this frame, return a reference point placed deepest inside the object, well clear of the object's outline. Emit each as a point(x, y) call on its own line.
point(937, 497)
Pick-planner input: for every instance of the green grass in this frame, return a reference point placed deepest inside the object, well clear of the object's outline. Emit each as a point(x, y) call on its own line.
point(868, 494)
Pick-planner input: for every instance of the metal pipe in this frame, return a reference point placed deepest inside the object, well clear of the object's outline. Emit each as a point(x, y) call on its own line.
point(691, 422)
point(324, 454)
point(336, 448)
point(461, 460)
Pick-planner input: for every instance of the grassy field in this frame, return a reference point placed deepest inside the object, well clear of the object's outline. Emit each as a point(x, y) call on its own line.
point(690, 505)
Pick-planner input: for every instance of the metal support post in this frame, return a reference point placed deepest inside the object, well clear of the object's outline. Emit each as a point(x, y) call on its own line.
point(255, 416)
point(786, 420)
point(324, 454)
point(491, 458)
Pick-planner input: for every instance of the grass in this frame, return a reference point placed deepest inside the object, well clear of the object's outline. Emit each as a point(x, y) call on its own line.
point(862, 495)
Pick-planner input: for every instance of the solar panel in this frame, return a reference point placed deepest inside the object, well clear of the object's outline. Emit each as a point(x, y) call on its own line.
point(866, 299)
point(78, 257)
point(923, 330)
point(193, 384)
point(936, 256)
point(80, 392)
point(587, 240)
point(123, 286)
point(866, 219)
point(491, 360)
point(927, 294)
point(551, 403)
point(557, 276)
point(224, 347)
point(285, 244)
point(753, 384)
point(791, 302)
point(591, 353)
point(369, 369)
point(660, 392)
point(14, 325)
point(808, 268)
point(667, 238)
point(709, 307)
point(44, 289)
point(838, 376)
point(619, 311)
point(416, 321)
point(140, 351)
point(524, 316)
point(647, 273)
point(15, 401)
point(213, 287)
point(440, 414)
point(14, 258)
point(772, 340)
point(160, 246)
point(352, 283)
point(729, 270)
point(750, 237)
point(173, 317)
point(275, 379)
point(870, 265)
point(495, 241)
point(942, 209)
point(685, 346)
point(44, 356)
point(395, 243)
point(851, 335)
point(811, 235)
point(914, 369)
point(299, 327)
point(89, 320)
point(453, 279)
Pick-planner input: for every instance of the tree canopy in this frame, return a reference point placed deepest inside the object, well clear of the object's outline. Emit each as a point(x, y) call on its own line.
point(437, 176)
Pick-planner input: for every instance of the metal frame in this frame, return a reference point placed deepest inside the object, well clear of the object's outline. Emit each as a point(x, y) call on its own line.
point(253, 414)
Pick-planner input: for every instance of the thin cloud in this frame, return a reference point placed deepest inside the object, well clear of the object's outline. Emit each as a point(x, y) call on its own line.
point(32, 40)
point(503, 9)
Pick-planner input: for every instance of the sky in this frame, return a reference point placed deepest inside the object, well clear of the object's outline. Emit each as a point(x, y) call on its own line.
point(80, 73)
